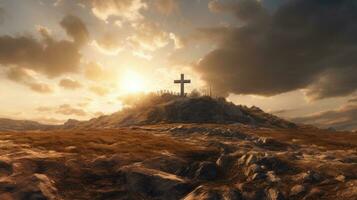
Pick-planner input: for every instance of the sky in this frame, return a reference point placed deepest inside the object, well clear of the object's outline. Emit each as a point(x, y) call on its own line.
point(76, 59)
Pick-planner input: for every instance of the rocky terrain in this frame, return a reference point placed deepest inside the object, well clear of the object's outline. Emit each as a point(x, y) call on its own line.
point(250, 160)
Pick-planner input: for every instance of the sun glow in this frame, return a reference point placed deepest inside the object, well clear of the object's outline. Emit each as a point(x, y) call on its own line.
point(132, 82)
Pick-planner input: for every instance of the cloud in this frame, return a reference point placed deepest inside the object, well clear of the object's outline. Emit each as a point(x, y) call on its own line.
point(2, 15)
point(344, 118)
point(246, 10)
point(40, 87)
point(178, 42)
point(304, 44)
point(64, 109)
point(47, 56)
point(96, 72)
point(99, 90)
point(69, 84)
point(148, 36)
point(108, 44)
point(126, 10)
point(67, 109)
point(166, 7)
point(23, 76)
point(76, 29)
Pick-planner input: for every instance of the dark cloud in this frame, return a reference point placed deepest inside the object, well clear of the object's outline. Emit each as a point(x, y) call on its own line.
point(47, 56)
point(304, 44)
point(246, 10)
point(69, 84)
point(76, 29)
point(23, 76)
point(344, 118)
point(166, 7)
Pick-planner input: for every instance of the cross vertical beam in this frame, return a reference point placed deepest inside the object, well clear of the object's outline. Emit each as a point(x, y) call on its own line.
point(182, 82)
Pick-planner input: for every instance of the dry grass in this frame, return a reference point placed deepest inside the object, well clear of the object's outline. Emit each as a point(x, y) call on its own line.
point(94, 143)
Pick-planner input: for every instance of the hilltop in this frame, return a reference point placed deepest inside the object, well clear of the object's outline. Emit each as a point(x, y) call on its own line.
point(154, 109)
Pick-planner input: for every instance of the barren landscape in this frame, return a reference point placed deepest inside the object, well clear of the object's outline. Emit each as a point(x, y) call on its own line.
point(179, 161)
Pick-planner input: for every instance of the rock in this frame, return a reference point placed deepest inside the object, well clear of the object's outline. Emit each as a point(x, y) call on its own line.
point(273, 163)
point(7, 184)
point(225, 162)
point(232, 194)
point(151, 183)
point(5, 166)
point(340, 178)
point(297, 190)
point(351, 160)
point(207, 171)
point(71, 149)
point(315, 193)
point(272, 177)
point(169, 164)
point(252, 169)
point(247, 159)
point(37, 187)
point(214, 193)
point(274, 194)
point(349, 191)
point(251, 159)
point(204, 193)
point(308, 177)
point(257, 176)
point(270, 144)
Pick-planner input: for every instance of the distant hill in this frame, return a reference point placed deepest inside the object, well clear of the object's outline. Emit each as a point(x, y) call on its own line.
point(172, 109)
point(22, 125)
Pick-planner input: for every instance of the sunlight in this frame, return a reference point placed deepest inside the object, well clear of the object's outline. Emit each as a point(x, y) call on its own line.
point(132, 82)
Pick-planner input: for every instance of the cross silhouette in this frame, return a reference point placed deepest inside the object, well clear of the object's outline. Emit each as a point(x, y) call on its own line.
point(182, 81)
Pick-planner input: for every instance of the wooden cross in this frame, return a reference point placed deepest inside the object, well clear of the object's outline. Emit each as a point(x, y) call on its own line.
point(182, 81)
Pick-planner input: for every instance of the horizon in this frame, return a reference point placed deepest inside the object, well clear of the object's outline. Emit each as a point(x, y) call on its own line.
point(62, 59)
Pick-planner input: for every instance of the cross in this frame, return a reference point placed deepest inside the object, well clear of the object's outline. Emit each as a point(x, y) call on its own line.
point(182, 81)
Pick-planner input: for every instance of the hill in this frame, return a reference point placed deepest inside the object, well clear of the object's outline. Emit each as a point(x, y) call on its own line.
point(152, 109)
point(21, 125)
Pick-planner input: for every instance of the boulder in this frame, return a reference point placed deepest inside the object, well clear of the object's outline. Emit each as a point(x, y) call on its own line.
point(152, 183)
point(36, 187)
point(169, 164)
point(207, 171)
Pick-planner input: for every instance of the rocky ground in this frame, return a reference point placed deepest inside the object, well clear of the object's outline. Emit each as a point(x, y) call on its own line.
point(179, 161)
